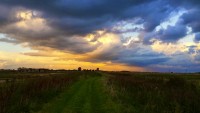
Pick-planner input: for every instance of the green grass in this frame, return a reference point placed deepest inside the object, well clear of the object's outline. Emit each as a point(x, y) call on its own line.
point(99, 92)
point(29, 94)
point(155, 93)
point(86, 96)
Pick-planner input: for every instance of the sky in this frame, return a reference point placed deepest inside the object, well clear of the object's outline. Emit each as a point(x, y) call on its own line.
point(133, 35)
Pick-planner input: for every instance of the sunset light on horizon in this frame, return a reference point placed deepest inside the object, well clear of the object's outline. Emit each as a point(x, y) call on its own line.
point(114, 35)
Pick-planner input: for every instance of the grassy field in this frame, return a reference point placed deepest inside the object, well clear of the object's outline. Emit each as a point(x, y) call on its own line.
point(156, 92)
point(99, 92)
point(26, 92)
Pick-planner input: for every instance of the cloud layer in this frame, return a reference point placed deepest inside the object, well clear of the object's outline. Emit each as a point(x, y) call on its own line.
point(118, 31)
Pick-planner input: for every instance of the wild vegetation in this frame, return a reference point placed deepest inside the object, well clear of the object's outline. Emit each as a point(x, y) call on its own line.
point(24, 93)
point(99, 92)
point(156, 92)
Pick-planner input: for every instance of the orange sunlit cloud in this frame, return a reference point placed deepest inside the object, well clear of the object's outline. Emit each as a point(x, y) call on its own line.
point(67, 37)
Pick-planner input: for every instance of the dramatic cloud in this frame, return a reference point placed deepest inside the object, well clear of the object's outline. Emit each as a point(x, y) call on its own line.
point(197, 36)
point(137, 58)
point(172, 33)
point(191, 18)
point(141, 33)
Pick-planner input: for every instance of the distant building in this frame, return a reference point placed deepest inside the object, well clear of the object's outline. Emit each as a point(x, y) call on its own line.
point(97, 69)
point(79, 69)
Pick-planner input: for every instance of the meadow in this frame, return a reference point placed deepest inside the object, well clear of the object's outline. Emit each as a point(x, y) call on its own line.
point(99, 92)
point(26, 92)
point(156, 92)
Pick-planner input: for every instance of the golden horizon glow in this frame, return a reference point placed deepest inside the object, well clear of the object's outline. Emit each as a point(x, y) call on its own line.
point(56, 60)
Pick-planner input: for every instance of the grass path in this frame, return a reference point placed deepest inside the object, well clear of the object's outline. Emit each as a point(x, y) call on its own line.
point(85, 96)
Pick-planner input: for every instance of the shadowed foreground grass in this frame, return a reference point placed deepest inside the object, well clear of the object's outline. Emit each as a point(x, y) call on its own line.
point(100, 92)
point(154, 93)
point(26, 95)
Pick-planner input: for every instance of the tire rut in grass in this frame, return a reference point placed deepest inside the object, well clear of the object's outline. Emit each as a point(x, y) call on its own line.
point(85, 96)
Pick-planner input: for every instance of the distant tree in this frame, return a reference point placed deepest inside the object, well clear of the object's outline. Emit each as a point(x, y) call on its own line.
point(79, 69)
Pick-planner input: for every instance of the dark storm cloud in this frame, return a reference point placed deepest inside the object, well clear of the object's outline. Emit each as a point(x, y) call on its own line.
point(82, 17)
point(152, 13)
point(192, 19)
point(75, 17)
point(6, 15)
point(66, 18)
point(141, 57)
point(186, 3)
point(172, 33)
point(8, 40)
point(68, 21)
point(76, 8)
point(73, 25)
point(75, 45)
point(197, 36)
point(137, 56)
point(143, 60)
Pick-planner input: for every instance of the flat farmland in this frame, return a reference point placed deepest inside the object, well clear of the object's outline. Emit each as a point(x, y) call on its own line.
point(99, 92)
